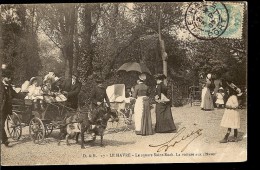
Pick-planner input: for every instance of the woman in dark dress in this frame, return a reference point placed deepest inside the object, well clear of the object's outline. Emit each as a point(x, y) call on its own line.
point(164, 119)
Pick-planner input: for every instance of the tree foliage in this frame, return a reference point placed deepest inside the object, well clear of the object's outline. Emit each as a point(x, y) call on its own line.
point(95, 39)
point(20, 43)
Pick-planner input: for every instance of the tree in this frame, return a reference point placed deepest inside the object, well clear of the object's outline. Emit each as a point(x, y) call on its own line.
point(20, 41)
point(90, 17)
point(58, 22)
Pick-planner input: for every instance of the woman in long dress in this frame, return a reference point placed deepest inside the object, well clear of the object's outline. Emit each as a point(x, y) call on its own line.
point(142, 112)
point(164, 119)
point(206, 98)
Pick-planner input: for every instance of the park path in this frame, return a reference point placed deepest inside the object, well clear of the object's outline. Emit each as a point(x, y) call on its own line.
point(126, 147)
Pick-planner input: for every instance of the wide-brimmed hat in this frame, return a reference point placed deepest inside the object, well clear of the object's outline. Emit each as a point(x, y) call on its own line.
point(32, 80)
point(221, 88)
point(142, 77)
point(235, 89)
point(159, 76)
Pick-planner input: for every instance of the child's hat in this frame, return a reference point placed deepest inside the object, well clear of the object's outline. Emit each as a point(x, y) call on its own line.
point(32, 80)
point(235, 88)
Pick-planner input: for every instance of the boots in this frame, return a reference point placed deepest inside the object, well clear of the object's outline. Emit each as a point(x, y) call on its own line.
point(225, 140)
point(235, 136)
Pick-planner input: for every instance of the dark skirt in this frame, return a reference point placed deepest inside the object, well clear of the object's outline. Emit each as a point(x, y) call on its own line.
point(143, 120)
point(164, 119)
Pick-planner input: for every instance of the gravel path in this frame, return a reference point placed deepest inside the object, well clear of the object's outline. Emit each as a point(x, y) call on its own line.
point(123, 146)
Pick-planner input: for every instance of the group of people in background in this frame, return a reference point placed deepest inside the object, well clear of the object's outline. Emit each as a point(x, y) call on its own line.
point(214, 94)
point(224, 95)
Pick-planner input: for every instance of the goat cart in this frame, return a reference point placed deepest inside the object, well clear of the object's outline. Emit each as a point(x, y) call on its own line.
point(41, 120)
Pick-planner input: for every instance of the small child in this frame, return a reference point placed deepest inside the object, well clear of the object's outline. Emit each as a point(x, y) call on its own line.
point(35, 93)
point(220, 97)
point(231, 117)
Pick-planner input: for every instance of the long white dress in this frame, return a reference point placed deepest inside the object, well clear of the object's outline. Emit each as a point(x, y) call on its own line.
point(231, 117)
point(203, 92)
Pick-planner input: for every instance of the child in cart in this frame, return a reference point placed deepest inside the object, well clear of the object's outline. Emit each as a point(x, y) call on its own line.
point(35, 93)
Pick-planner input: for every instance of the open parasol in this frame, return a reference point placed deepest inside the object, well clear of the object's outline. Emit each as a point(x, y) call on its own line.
point(134, 66)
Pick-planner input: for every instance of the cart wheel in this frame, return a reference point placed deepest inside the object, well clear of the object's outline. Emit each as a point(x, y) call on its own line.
point(14, 126)
point(36, 130)
point(48, 129)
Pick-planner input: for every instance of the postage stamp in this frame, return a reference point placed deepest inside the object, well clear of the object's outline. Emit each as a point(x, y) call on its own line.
point(211, 19)
point(236, 19)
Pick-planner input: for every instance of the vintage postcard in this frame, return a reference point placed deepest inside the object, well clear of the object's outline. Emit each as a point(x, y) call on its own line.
point(123, 83)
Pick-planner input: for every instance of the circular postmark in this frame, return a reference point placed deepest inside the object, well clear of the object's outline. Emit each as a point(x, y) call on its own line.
point(206, 20)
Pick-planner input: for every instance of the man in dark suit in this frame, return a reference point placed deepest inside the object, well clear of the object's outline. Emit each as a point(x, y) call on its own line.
point(99, 95)
point(7, 95)
point(71, 90)
point(99, 100)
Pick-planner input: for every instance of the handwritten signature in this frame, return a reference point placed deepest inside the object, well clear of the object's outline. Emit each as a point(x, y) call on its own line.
point(172, 142)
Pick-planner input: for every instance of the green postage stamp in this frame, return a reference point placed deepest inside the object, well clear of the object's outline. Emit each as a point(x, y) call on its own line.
point(211, 19)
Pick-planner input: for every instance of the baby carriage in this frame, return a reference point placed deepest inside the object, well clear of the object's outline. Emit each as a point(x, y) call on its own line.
point(120, 104)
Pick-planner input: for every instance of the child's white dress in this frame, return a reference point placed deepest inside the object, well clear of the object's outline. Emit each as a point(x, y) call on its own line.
point(231, 117)
point(34, 93)
point(220, 98)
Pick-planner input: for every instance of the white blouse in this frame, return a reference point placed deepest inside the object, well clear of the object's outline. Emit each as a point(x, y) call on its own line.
point(232, 101)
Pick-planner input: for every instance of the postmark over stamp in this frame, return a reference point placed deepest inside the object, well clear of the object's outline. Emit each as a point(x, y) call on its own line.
point(207, 20)
point(210, 20)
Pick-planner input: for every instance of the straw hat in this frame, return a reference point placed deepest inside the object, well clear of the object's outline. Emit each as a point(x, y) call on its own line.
point(142, 77)
point(235, 89)
point(32, 80)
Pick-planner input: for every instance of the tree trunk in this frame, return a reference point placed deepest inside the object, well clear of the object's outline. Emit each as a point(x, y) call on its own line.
point(77, 48)
point(162, 47)
point(114, 41)
point(68, 33)
point(87, 56)
point(68, 61)
point(1, 61)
